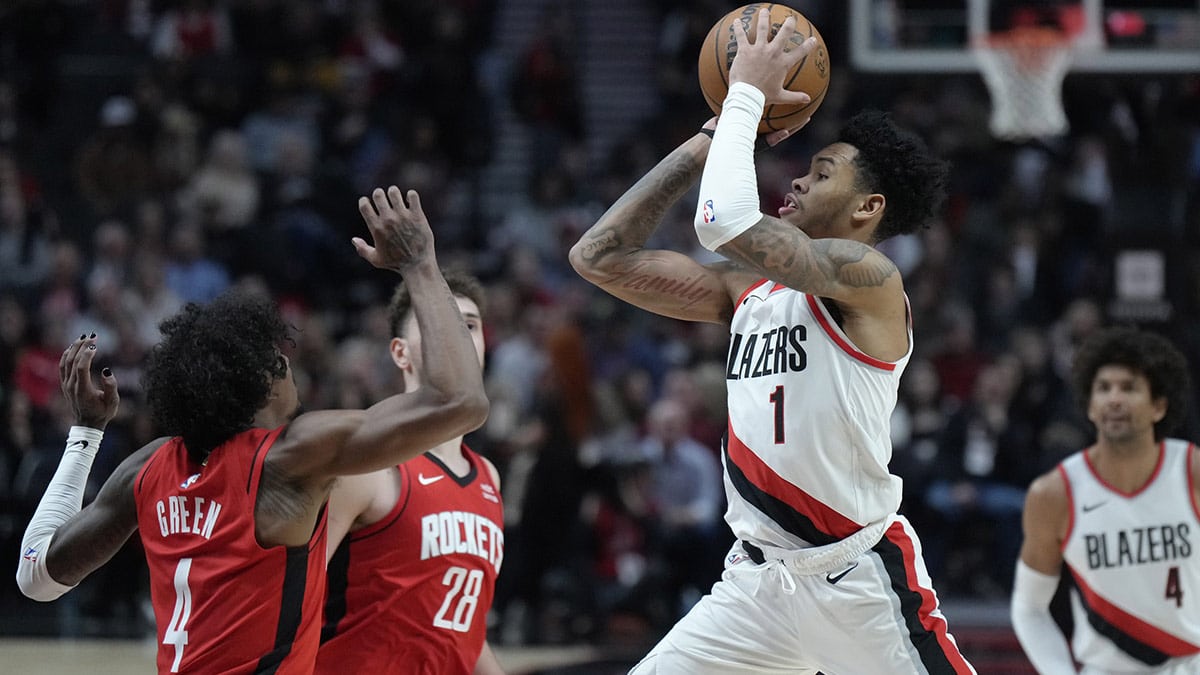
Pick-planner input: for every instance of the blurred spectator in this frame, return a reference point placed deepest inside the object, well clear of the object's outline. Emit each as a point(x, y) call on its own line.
point(687, 502)
point(113, 166)
point(191, 274)
point(986, 457)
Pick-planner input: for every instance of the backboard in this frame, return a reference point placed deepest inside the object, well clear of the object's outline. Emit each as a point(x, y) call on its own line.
point(1112, 36)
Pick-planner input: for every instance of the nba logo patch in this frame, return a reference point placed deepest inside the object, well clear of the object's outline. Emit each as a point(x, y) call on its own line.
point(735, 558)
point(188, 483)
point(707, 212)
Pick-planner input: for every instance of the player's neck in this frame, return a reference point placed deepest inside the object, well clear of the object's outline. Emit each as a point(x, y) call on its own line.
point(1127, 466)
point(450, 453)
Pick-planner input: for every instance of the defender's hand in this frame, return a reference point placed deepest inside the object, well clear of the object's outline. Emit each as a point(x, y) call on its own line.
point(93, 407)
point(400, 233)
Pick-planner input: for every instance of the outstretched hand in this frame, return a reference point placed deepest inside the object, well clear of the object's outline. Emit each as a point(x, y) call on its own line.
point(400, 233)
point(93, 406)
point(765, 62)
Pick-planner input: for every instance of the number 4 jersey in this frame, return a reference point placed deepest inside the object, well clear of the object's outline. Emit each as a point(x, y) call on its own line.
point(223, 603)
point(1133, 560)
point(410, 593)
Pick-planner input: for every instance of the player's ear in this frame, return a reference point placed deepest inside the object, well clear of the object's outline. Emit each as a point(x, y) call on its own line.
point(401, 354)
point(870, 207)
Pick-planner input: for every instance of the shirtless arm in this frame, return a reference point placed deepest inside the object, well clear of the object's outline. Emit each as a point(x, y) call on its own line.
point(612, 253)
point(1045, 520)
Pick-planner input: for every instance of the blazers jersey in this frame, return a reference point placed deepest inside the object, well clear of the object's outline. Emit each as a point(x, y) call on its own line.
point(1133, 558)
point(410, 593)
point(808, 446)
point(222, 602)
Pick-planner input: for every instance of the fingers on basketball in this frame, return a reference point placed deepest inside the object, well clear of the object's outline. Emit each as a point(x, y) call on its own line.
point(809, 75)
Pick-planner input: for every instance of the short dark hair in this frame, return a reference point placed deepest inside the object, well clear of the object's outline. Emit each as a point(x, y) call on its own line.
point(1150, 354)
point(896, 163)
point(213, 369)
point(461, 283)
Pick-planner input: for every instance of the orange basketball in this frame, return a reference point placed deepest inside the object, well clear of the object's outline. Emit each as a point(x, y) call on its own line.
point(810, 76)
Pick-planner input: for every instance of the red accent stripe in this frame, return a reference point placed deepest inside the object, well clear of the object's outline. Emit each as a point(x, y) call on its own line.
point(764, 478)
point(934, 624)
point(1133, 626)
point(841, 342)
point(1062, 547)
point(742, 297)
point(1162, 454)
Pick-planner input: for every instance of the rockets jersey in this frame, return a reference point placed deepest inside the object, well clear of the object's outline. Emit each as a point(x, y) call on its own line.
point(1133, 558)
point(410, 593)
point(223, 603)
point(807, 452)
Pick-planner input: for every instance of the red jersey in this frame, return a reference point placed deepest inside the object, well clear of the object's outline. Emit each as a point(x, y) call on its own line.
point(222, 602)
point(410, 594)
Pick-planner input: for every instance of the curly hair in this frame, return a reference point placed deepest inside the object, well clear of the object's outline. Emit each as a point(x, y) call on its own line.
point(897, 164)
point(461, 284)
point(213, 369)
point(1144, 352)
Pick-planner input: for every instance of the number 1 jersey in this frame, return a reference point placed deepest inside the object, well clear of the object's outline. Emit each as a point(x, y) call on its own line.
point(410, 593)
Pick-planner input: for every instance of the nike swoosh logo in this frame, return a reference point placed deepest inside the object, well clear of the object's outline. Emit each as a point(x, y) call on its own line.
point(834, 579)
point(82, 444)
point(1092, 507)
point(428, 481)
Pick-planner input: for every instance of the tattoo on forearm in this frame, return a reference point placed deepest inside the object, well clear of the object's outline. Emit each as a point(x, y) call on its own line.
point(632, 219)
point(689, 289)
point(596, 245)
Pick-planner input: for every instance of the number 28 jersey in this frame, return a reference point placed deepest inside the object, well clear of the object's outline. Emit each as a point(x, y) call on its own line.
point(410, 593)
point(808, 446)
point(223, 603)
point(1133, 558)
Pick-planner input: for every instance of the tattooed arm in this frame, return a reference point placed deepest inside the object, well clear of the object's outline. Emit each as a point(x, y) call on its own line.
point(864, 283)
point(612, 255)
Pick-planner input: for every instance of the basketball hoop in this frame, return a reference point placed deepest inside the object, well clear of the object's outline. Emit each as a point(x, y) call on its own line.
point(1023, 69)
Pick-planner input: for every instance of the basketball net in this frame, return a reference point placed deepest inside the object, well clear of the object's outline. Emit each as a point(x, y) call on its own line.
point(1023, 69)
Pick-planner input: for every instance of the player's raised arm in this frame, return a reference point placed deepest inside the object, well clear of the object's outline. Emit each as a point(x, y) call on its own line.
point(62, 543)
point(612, 253)
point(320, 445)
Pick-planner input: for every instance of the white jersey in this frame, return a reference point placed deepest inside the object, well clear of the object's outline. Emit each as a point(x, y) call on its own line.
point(806, 458)
point(1135, 564)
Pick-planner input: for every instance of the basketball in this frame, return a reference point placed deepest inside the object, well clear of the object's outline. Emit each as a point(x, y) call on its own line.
point(810, 76)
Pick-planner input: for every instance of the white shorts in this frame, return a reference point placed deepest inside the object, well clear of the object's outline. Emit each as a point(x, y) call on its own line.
point(875, 614)
point(1184, 665)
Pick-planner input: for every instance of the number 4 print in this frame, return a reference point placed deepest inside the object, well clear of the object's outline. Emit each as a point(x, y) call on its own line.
point(176, 633)
point(1174, 592)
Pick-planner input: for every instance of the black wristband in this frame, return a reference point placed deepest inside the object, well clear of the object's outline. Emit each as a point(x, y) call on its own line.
point(708, 132)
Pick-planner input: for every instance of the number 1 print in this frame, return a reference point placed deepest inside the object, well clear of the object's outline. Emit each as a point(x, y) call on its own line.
point(777, 399)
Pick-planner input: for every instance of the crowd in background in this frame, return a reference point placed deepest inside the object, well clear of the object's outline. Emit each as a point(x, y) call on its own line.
point(154, 153)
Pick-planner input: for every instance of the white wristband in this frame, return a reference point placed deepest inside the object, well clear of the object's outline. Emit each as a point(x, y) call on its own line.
point(728, 203)
point(63, 499)
point(1043, 642)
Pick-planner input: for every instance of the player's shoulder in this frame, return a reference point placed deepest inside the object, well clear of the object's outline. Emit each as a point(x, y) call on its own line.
point(1049, 492)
